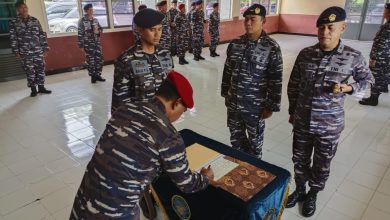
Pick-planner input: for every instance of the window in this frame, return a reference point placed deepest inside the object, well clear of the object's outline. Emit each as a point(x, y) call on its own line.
point(122, 12)
point(270, 5)
point(62, 16)
point(100, 11)
point(149, 3)
point(225, 8)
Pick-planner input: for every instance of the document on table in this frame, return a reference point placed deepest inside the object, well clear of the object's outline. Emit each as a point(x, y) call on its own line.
point(221, 167)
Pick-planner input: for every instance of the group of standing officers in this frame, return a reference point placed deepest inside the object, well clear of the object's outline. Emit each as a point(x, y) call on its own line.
point(252, 89)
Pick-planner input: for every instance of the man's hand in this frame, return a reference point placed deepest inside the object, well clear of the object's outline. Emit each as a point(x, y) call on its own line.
point(291, 119)
point(208, 172)
point(372, 63)
point(266, 113)
point(342, 88)
point(226, 102)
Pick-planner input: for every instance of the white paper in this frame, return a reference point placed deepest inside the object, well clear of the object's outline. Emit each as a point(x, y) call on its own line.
point(221, 167)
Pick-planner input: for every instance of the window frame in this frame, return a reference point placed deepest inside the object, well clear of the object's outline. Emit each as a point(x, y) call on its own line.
point(111, 27)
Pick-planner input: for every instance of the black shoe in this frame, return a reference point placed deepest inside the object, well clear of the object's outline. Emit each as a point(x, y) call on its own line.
point(181, 61)
point(93, 79)
point(42, 89)
point(212, 55)
point(215, 53)
point(309, 205)
point(201, 58)
point(196, 58)
point(33, 91)
point(99, 78)
point(185, 61)
point(297, 196)
point(372, 100)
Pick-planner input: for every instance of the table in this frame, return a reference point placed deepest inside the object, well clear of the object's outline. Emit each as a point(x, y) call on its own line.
point(215, 203)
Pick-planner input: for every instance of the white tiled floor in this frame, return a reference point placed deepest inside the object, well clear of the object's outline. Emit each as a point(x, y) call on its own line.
point(46, 141)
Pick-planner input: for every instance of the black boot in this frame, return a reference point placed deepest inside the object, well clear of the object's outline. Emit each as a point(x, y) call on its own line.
point(185, 61)
point(297, 196)
point(212, 54)
point(33, 91)
point(181, 61)
point(372, 100)
point(99, 78)
point(201, 58)
point(215, 53)
point(93, 79)
point(42, 89)
point(196, 58)
point(309, 205)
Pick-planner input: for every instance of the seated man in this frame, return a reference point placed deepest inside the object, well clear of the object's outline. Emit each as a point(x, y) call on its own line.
point(138, 144)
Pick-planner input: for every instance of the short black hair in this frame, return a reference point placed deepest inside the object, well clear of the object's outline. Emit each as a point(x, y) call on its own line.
point(167, 91)
point(87, 6)
point(19, 4)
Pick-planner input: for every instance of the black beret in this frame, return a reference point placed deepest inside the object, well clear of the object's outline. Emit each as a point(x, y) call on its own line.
point(162, 3)
point(255, 9)
point(141, 7)
point(215, 5)
point(199, 2)
point(148, 18)
point(87, 6)
point(387, 5)
point(331, 15)
point(174, 1)
point(193, 3)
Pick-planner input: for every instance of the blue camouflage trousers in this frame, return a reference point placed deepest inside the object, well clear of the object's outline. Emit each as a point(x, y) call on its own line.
point(34, 66)
point(94, 61)
point(197, 44)
point(214, 40)
point(246, 132)
point(324, 147)
point(382, 80)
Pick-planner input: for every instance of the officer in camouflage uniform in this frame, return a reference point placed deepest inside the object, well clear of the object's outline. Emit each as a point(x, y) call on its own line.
point(89, 32)
point(189, 14)
point(316, 93)
point(165, 41)
point(135, 31)
point(28, 42)
point(138, 144)
point(172, 14)
point(182, 29)
point(197, 21)
point(380, 61)
point(251, 83)
point(140, 70)
point(214, 30)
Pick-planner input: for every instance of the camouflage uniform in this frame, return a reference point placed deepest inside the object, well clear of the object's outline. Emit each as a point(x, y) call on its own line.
point(90, 42)
point(138, 75)
point(381, 53)
point(197, 20)
point(252, 82)
point(165, 40)
point(29, 40)
point(182, 33)
point(138, 144)
point(172, 14)
point(318, 112)
point(189, 16)
point(214, 30)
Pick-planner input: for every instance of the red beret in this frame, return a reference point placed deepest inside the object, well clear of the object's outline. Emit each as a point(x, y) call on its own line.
point(181, 6)
point(183, 87)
